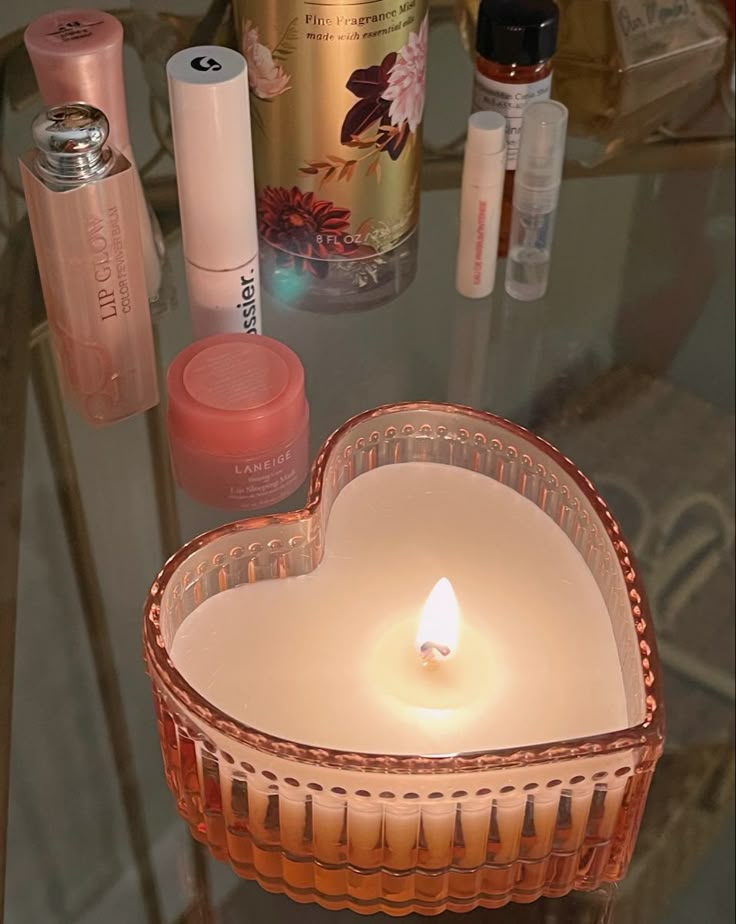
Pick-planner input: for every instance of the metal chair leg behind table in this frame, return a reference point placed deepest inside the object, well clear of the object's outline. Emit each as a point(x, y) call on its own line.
point(15, 322)
point(163, 478)
point(200, 911)
point(55, 429)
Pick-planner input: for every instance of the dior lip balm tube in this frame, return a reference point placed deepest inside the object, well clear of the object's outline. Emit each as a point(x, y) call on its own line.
point(81, 198)
point(78, 55)
point(210, 119)
point(480, 204)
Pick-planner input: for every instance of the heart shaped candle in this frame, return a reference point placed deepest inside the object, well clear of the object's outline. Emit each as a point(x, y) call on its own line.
point(434, 687)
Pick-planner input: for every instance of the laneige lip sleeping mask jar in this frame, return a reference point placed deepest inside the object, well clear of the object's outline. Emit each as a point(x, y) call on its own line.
point(238, 421)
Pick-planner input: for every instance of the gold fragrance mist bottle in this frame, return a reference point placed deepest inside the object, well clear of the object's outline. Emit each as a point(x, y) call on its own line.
point(337, 99)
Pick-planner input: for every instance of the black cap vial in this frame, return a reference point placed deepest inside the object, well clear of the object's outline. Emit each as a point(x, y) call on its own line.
point(520, 32)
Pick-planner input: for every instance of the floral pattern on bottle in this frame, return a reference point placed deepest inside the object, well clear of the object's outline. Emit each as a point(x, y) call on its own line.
point(387, 114)
point(306, 227)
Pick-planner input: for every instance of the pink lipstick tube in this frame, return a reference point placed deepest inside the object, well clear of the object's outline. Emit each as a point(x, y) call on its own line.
point(78, 55)
point(82, 210)
point(210, 119)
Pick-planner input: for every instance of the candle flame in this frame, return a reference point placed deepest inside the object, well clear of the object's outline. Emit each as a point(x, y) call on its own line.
point(439, 625)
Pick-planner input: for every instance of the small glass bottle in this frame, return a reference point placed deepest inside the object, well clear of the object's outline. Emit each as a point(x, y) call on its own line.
point(515, 42)
point(536, 193)
point(82, 208)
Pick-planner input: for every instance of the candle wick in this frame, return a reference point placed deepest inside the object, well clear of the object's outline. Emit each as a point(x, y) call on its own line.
point(432, 653)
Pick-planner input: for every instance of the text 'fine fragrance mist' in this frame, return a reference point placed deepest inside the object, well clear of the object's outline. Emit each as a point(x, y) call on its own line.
point(337, 101)
point(82, 207)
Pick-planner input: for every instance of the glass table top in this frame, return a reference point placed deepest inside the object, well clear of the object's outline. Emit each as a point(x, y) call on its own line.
point(627, 366)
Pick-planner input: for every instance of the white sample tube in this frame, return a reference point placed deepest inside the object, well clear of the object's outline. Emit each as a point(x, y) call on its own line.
point(480, 204)
point(536, 193)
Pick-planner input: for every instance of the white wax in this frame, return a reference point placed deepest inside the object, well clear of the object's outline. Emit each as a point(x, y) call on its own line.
point(329, 659)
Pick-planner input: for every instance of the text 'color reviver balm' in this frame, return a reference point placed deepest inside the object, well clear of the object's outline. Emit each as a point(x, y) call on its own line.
point(210, 119)
point(82, 207)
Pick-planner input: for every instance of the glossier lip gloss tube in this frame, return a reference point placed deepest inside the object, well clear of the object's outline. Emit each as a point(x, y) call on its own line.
point(210, 119)
point(77, 55)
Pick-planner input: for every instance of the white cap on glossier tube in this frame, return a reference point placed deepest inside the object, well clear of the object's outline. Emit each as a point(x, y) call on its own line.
point(210, 119)
point(480, 204)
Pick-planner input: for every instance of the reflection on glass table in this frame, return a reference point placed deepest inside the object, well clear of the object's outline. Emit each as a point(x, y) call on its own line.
point(626, 365)
point(100, 513)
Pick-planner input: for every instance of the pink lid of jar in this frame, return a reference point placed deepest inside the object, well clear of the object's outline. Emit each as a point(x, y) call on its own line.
point(235, 393)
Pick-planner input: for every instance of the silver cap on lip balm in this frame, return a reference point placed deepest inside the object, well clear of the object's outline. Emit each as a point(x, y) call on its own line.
point(71, 142)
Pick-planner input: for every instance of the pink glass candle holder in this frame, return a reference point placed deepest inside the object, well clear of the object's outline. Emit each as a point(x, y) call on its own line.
point(401, 833)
